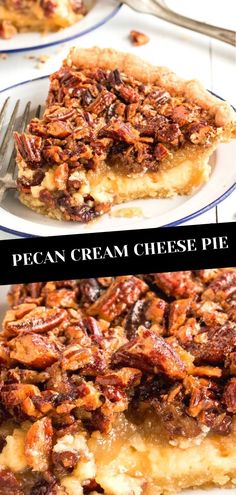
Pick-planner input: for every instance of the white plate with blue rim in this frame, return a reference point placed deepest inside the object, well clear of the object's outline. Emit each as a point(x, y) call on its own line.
point(99, 12)
point(17, 219)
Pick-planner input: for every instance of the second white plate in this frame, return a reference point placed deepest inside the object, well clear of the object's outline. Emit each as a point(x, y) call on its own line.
point(99, 12)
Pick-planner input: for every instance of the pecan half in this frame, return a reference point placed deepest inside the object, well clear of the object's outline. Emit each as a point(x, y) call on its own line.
point(138, 38)
point(120, 131)
point(38, 444)
point(222, 287)
point(49, 7)
point(59, 129)
point(150, 353)
point(160, 152)
point(76, 357)
point(29, 147)
point(15, 394)
point(9, 483)
point(34, 350)
point(123, 378)
point(38, 320)
point(121, 294)
point(218, 343)
point(178, 284)
point(104, 100)
point(169, 134)
point(59, 113)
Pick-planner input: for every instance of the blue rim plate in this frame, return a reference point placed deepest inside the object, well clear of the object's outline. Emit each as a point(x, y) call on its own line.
point(21, 221)
point(171, 224)
point(99, 15)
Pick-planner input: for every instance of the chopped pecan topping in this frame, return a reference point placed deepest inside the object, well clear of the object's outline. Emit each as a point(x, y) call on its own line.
point(138, 38)
point(35, 180)
point(223, 286)
point(181, 115)
point(92, 487)
point(49, 7)
point(77, 357)
point(59, 113)
point(177, 284)
point(38, 444)
point(18, 395)
point(175, 421)
point(75, 354)
point(120, 131)
point(178, 312)
point(61, 176)
point(44, 487)
point(160, 152)
point(104, 100)
point(64, 461)
point(9, 483)
point(199, 133)
point(4, 355)
point(217, 344)
point(34, 350)
point(7, 30)
point(151, 353)
point(78, 6)
point(121, 294)
point(29, 147)
point(39, 320)
point(230, 395)
point(58, 129)
point(127, 93)
point(123, 378)
point(169, 134)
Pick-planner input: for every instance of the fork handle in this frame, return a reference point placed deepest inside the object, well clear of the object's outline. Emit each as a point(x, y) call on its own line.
point(219, 33)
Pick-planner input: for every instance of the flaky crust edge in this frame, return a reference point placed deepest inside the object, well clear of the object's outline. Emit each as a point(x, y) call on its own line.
point(108, 58)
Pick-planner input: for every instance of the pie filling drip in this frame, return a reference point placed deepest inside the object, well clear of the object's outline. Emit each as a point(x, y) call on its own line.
point(104, 379)
point(100, 121)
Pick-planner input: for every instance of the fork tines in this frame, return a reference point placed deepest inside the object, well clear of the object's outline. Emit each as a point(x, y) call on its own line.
point(17, 122)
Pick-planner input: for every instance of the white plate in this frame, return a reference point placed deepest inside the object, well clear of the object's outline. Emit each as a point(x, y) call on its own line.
point(214, 491)
point(17, 219)
point(99, 12)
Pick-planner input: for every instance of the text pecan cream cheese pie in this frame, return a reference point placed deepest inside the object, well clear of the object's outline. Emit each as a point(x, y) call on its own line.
point(116, 129)
point(120, 386)
point(38, 15)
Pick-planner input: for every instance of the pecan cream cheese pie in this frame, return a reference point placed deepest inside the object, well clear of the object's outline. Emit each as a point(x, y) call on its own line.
point(38, 15)
point(116, 129)
point(120, 386)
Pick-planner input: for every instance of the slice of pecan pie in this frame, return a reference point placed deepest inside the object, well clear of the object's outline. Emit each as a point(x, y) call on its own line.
point(116, 129)
point(120, 386)
point(38, 15)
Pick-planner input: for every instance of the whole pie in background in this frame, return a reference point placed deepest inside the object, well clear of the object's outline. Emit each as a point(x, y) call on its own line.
point(119, 385)
point(38, 15)
point(115, 129)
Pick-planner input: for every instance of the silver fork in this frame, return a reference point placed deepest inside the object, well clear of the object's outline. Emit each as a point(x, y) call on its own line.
point(159, 9)
point(8, 173)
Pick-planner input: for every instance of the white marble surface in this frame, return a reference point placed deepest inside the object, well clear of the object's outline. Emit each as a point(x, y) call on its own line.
point(189, 54)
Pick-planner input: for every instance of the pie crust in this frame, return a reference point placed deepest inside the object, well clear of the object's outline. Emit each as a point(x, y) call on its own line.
point(116, 129)
point(38, 15)
point(119, 385)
